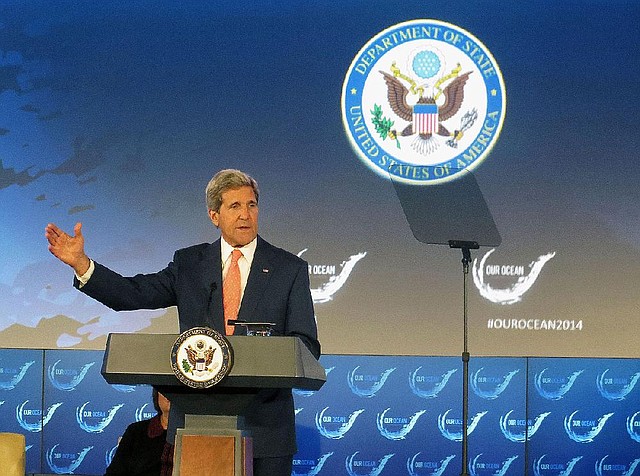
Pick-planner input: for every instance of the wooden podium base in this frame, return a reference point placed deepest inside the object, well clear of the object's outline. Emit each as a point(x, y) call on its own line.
point(212, 452)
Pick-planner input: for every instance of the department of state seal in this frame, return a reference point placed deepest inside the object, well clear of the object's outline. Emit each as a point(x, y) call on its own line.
point(201, 357)
point(423, 101)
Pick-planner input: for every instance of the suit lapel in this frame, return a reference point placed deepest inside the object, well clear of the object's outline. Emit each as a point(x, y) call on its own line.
point(259, 275)
point(211, 277)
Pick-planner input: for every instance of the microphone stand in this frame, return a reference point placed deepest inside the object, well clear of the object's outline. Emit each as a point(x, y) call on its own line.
point(466, 247)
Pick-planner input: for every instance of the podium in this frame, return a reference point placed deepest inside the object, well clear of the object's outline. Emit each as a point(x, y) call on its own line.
point(213, 433)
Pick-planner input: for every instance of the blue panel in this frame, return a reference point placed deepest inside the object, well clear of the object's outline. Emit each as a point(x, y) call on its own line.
point(375, 415)
point(90, 415)
point(379, 414)
point(593, 422)
point(21, 399)
point(497, 416)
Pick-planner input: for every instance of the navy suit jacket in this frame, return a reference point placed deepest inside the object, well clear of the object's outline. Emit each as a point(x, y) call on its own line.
point(277, 291)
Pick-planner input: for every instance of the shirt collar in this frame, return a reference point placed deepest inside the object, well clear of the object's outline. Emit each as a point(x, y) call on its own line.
point(248, 250)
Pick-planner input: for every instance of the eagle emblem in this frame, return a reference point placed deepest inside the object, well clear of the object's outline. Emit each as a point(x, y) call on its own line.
point(201, 356)
point(426, 115)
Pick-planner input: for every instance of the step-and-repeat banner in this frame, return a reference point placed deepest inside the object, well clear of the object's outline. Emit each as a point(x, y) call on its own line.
point(374, 416)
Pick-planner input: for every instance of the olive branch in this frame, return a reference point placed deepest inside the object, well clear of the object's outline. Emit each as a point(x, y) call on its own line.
point(185, 365)
point(383, 125)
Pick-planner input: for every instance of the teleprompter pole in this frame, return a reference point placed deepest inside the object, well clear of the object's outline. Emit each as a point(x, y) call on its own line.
point(466, 247)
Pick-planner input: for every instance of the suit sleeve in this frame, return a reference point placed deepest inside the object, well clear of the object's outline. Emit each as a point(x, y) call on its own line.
point(143, 291)
point(301, 320)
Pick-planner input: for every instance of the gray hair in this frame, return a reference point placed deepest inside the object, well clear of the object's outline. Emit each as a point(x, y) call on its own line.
point(225, 180)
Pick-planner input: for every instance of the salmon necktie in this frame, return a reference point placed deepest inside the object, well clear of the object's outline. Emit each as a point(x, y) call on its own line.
point(231, 292)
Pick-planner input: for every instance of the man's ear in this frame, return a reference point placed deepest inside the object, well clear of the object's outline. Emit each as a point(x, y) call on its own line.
point(214, 216)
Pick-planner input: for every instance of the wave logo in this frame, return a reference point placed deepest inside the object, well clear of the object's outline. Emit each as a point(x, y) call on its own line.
point(489, 387)
point(633, 426)
point(554, 388)
point(524, 429)
point(65, 463)
point(361, 467)
point(540, 468)
point(95, 421)
point(616, 388)
point(325, 292)
point(477, 467)
point(32, 419)
point(428, 386)
point(451, 428)
point(416, 467)
point(313, 467)
point(367, 385)
point(513, 293)
point(619, 469)
point(307, 393)
point(335, 427)
point(124, 388)
point(67, 379)
point(109, 454)
point(584, 431)
point(397, 428)
point(142, 413)
point(11, 377)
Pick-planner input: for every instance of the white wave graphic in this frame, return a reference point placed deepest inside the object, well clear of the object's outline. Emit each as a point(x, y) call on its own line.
point(537, 466)
point(513, 293)
point(15, 380)
point(368, 392)
point(101, 424)
point(437, 388)
point(589, 435)
point(561, 391)
point(521, 436)
point(375, 471)
point(442, 466)
point(71, 385)
point(631, 425)
point(325, 292)
point(619, 395)
point(342, 429)
point(109, 454)
point(72, 466)
point(123, 388)
point(405, 429)
point(317, 468)
point(601, 471)
point(499, 472)
point(457, 435)
point(140, 412)
point(40, 423)
point(495, 393)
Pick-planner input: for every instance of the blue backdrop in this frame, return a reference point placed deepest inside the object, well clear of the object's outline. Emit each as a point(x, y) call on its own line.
point(375, 415)
point(117, 113)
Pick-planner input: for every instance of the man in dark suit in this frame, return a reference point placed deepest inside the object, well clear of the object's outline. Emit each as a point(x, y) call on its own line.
point(274, 287)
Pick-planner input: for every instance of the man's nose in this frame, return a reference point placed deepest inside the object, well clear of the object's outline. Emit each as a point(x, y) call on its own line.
point(244, 212)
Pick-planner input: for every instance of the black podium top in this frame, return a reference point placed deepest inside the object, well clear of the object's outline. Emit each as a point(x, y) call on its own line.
point(258, 362)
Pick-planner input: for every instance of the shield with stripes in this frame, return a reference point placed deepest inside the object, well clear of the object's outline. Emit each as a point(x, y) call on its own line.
point(425, 118)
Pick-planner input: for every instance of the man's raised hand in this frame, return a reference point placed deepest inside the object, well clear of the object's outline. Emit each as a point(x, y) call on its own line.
point(68, 249)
